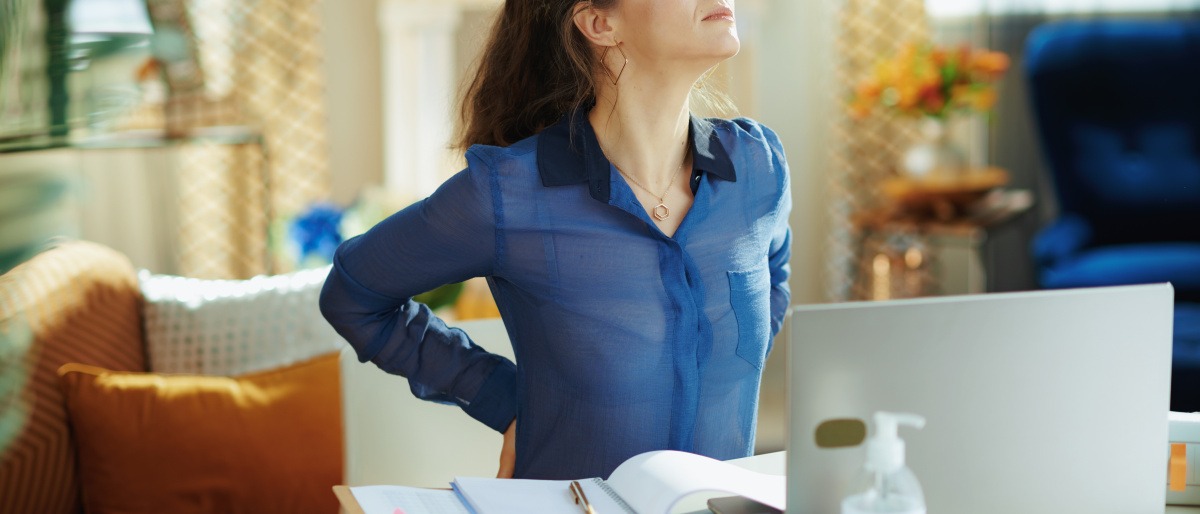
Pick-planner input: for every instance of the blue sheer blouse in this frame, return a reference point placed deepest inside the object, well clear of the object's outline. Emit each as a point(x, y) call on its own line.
point(626, 340)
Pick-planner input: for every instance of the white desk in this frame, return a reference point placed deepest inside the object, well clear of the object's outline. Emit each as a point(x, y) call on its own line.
point(776, 464)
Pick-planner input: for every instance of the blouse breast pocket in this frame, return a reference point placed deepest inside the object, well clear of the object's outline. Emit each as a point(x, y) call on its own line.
point(750, 297)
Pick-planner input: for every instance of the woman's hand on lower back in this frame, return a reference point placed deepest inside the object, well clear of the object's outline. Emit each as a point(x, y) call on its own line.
point(508, 453)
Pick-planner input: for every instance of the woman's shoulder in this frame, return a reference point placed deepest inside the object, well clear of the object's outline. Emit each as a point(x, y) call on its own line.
point(514, 165)
point(747, 129)
point(521, 152)
point(744, 136)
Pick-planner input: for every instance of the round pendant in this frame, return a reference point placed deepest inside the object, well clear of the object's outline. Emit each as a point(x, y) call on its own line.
point(661, 212)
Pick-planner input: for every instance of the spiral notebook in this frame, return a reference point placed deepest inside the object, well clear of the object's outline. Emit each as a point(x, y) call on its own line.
point(650, 483)
point(495, 496)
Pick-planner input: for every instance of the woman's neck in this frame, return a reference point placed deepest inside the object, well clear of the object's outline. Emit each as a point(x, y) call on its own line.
point(642, 125)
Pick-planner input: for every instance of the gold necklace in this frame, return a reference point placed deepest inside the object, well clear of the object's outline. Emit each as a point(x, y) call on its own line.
point(660, 212)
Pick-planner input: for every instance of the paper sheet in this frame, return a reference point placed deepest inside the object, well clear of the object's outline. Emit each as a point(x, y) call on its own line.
point(650, 483)
point(385, 499)
point(653, 482)
point(509, 496)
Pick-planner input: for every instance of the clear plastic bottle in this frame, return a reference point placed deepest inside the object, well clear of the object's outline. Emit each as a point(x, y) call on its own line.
point(887, 485)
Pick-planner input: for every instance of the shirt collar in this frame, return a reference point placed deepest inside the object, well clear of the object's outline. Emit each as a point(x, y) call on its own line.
point(566, 156)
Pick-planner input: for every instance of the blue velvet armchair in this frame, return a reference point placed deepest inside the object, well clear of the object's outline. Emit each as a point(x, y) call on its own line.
point(1118, 108)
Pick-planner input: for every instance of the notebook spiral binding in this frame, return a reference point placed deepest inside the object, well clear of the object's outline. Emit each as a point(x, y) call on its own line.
point(613, 494)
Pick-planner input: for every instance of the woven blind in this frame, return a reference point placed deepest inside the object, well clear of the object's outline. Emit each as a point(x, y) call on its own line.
point(864, 151)
point(257, 65)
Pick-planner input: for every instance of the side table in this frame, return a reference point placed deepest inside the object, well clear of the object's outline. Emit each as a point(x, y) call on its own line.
point(929, 237)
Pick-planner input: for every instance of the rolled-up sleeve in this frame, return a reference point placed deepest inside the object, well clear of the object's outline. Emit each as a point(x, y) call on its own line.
point(446, 238)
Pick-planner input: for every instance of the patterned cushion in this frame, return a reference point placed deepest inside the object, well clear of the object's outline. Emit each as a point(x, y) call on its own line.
point(54, 296)
point(232, 327)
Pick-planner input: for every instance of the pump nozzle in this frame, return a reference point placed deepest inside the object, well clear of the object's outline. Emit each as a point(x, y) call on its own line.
point(885, 450)
point(886, 423)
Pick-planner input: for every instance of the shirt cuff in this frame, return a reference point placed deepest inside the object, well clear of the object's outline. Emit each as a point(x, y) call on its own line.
point(495, 405)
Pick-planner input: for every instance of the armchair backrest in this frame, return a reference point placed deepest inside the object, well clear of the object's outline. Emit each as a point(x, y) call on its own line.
point(77, 302)
point(1118, 108)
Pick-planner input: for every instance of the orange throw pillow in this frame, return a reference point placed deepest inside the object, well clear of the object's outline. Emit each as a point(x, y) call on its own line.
point(268, 442)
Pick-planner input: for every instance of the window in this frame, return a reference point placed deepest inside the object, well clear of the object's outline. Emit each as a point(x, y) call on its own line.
point(109, 17)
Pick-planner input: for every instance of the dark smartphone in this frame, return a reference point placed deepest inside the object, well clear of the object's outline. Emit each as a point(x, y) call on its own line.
point(739, 505)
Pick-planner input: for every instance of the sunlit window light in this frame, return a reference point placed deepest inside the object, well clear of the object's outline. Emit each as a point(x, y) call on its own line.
point(958, 8)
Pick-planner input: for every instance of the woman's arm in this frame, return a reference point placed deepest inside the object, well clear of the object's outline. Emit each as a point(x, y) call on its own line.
point(781, 238)
point(446, 238)
point(781, 293)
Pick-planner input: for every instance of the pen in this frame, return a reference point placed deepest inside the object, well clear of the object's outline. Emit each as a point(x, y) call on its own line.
point(581, 498)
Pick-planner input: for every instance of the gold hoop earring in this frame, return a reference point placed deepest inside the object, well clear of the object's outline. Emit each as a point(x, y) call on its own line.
point(604, 63)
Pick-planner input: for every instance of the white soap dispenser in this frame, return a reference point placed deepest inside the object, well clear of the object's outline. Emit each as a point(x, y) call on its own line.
point(887, 484)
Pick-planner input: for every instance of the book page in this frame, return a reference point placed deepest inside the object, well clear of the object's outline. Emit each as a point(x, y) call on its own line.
point(653, 482)
point(518, 496)
point(395, 499)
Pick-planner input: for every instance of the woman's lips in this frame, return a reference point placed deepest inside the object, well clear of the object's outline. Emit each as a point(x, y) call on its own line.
point(720, 14)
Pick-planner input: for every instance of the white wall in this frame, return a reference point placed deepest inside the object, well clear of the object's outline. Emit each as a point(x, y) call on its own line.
point(353, 85)
point(794, 91)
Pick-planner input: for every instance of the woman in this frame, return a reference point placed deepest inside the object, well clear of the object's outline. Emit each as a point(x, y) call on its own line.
point(638, 254)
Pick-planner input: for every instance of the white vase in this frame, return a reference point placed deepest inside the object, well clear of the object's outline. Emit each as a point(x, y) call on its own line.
point(935, 156)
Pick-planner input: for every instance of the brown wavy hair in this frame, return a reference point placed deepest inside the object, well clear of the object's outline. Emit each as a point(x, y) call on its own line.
point(535, 67)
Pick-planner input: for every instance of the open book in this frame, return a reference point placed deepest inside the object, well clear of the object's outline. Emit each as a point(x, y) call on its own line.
point(650, 483)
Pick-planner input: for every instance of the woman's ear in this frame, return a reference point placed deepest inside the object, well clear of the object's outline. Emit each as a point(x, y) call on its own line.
point(594, 24)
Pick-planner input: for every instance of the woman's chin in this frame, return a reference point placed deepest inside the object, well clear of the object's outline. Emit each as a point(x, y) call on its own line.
point(716, 58)
point(733, 49)
point(726, 42)
point(726, 47)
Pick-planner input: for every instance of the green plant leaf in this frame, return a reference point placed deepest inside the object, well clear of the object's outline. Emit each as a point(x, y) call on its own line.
point(441, 296)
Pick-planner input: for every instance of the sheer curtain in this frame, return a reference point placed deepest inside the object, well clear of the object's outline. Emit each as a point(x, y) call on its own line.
point(863, 150)
point(268, 54)
point(246, 113)
point(261, 63)
point(1010, 138)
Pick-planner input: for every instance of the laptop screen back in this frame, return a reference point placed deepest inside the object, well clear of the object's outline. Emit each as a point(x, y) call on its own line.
point(1042, 402)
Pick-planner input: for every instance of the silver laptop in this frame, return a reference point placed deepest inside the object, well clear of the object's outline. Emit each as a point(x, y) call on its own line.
point(1044, 402)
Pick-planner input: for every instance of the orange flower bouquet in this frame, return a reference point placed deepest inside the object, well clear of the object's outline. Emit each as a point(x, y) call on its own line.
point(933, 81)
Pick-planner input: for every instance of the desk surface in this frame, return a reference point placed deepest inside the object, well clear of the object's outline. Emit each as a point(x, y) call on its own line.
point(772, 463)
